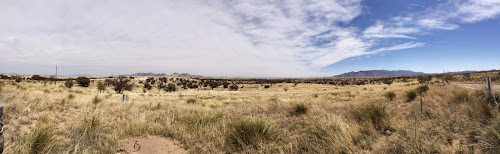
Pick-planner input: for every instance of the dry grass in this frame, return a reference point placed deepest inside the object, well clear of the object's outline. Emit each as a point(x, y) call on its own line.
point(333, 119)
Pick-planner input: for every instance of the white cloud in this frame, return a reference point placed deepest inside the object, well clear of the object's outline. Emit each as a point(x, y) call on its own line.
point(220, 37)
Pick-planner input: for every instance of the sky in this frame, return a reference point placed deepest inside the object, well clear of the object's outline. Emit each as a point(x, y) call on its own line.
point(247, 38)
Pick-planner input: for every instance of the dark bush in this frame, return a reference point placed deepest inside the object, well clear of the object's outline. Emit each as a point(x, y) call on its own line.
point(37, 77)
point(388, 81)
point(390, 95)
point(147, 86)
point(423, 88)
point(171, 88)
point(234, 87)
point(69, 83)
point(267, 86)
point(83, 81)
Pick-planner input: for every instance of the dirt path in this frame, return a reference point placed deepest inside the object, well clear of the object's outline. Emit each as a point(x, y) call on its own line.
point(477, 86)
point(151, 145)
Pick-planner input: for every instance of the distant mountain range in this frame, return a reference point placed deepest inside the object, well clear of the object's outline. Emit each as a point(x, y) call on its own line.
point(163, 74)
point(379, 73)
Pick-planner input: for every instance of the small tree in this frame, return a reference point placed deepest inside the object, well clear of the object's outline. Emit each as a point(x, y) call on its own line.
point(101, 86)
point(147, 86)
point(233, 87)
point(17, 78)
point(122, 83)
point(69, 83)
point(83, 81)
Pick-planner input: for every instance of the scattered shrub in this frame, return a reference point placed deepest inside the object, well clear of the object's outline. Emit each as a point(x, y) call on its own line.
point(147, 86)
point(71, 96)
point(299, 109)
point(83, 81)
point(68, 83)
point(411, 95)
point(41, 139)
point(234, 87)
point(249, 134)
point(371, 117)
point(388, 81)
point(390, 95)
point(267, 86)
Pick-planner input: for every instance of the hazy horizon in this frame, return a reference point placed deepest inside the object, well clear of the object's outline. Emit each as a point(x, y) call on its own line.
point(247, 38)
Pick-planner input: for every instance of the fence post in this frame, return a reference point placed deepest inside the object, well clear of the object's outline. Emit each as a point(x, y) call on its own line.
point(124, 97)
point(421, 106)
point(488, 81)
point(1, 129)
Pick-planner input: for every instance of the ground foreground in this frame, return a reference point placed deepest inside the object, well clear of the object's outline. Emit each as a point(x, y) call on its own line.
point(285, 118)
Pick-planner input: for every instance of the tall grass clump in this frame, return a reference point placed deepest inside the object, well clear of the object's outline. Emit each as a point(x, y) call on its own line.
point(483, 94)
point(491, 140)
point(411, 95)
point(96, 100)
point(390, 95)
point(461, 97)
point(299, 109)
point(41, 139)
point(90, 127)
point(250, 134)
point(372, 118)
point(202, 120)
point(191, 101)
point(333, 136)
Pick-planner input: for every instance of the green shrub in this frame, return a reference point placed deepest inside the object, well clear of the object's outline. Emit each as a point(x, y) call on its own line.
point(17, 78)
point(249, 134)
point(233, 87)
point(41, 139)
point(371, 117)
point(299, 109)
point(411, 95)
point(390, 95)
point(202, 120)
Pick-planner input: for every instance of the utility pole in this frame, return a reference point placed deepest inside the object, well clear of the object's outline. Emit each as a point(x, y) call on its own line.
point(56, 70)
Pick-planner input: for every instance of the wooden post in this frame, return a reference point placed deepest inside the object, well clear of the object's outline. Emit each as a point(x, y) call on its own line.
point(421, 106)
point(1, 129)
point(488, 81)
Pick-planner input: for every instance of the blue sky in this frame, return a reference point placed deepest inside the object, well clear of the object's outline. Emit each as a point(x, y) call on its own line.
point(277, 38)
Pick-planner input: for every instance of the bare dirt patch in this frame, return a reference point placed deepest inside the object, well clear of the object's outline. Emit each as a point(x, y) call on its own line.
point(151, 145)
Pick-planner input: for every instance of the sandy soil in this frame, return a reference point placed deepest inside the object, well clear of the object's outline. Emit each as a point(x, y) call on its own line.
point(151, 145)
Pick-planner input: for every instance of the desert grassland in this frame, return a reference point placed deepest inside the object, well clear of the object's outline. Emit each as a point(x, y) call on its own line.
point(308, 118)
